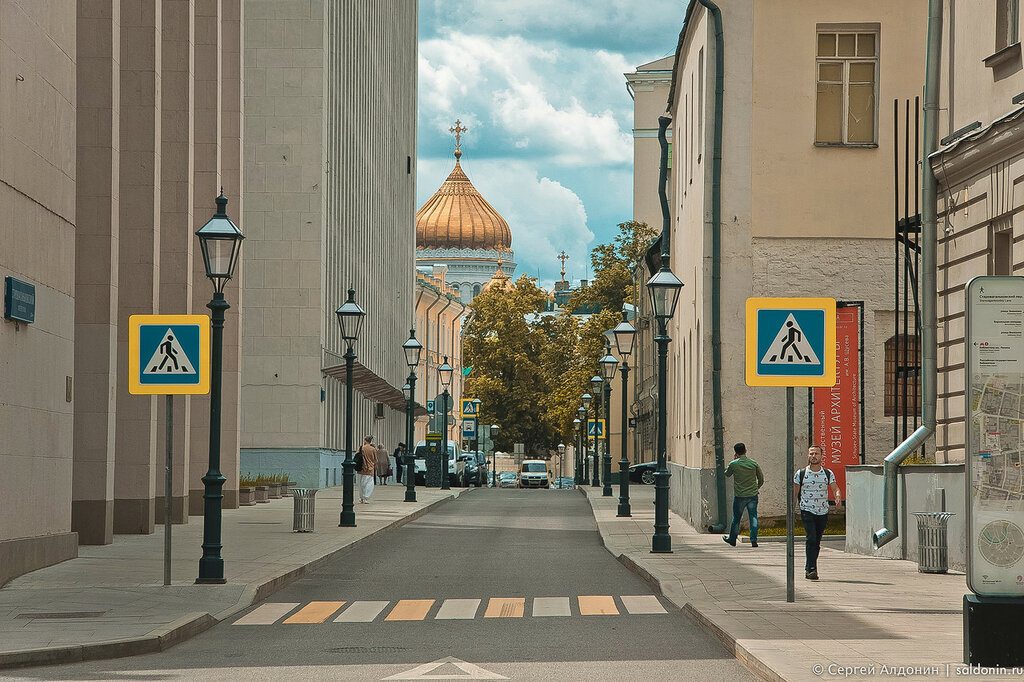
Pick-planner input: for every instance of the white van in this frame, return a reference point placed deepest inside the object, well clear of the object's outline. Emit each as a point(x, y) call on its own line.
point(533, 473)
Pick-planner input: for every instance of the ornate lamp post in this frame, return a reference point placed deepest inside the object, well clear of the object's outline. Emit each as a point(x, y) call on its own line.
point(494, 462)
point(444, 373)
point(584, 429)
point(576, 473)
point(624, 336)
point(221, 241)
point(608, 366)
point(561, 461)
point(350, 319)
point(412, 349)
point(664, 290)
point(596, 384)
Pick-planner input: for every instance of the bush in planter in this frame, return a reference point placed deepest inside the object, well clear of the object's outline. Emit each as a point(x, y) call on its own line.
point(261, 489)
point(246, 490)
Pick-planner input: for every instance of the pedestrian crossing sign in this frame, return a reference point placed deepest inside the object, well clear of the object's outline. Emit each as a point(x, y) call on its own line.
point(469, 408)
point(791, 342)
point(168, 354)
point(595, 428)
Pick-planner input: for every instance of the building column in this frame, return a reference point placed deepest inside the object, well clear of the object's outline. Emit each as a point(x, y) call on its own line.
point(139, 256)
point(177, 225)
point(96, 256)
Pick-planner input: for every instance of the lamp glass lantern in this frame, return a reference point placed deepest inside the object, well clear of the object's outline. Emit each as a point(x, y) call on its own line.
point(664, 289)
point(586, 403)
point(350, 317)
point(576, 424)
point(412, 349)
point(596, 382)
point(609, 364)
point(220, 241)
point(624, 334)
point(444, 373)
point(561, 448)
point(407, 391)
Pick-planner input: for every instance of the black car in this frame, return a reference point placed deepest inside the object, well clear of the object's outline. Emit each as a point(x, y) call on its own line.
point(643, 472)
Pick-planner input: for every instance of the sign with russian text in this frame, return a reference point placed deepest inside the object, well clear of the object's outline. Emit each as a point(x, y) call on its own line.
point(791, 342)
point(837, 416)
point(469, 427)
point(994, 349)
point(168, 354)
point(19, 300)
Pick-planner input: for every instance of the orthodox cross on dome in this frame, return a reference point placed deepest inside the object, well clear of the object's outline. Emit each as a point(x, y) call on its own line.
point(458, 130)
point(563, 257)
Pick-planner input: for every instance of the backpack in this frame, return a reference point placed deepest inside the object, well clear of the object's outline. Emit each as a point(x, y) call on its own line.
point(359, 460)
point(829, 476)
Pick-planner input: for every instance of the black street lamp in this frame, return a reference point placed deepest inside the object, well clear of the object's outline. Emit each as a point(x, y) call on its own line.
point(664, 290)
point(444, 373)
point(608, 366)
point(596, 383)
point(576, 455)
point(220, 241)
point(412, 349)
point(561, 462)
point(585, 429)
point(350, 319)
point(494, 462)
point(624, 336)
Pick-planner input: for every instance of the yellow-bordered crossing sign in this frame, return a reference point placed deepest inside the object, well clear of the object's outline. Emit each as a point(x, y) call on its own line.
point(791, 342)
point(168, 354)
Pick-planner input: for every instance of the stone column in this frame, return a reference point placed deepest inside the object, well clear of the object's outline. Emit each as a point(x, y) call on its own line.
point(177, 226)
point(96, 256)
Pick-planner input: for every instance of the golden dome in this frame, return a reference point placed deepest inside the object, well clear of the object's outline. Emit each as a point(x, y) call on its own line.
point(458, 217)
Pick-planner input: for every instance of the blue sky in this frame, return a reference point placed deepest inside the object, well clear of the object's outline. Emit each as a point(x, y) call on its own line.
point(539, 84)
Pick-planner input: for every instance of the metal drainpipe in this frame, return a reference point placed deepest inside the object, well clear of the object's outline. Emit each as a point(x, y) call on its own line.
point(929, 352)
point(716, 267)
point(426, 339)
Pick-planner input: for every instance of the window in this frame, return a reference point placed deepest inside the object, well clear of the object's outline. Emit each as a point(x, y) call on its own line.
point(1006, 23)
point(902, 360)
point(847, 79)
point(1002, 253)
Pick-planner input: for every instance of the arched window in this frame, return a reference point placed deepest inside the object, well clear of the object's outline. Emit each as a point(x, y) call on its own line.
point(902, 374)
point(476, 290)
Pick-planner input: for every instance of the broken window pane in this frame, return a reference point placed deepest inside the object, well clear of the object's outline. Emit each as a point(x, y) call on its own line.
point(862, 72)
point(829, 113)
point(860, 125)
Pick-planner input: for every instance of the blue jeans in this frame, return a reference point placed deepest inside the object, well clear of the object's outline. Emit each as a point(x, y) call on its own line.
point(738, 505)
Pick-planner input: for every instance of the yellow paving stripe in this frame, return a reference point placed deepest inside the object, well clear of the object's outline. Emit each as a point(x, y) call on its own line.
point(410, 609)
point(505, 607)
point(598, 606)
point(315, 612)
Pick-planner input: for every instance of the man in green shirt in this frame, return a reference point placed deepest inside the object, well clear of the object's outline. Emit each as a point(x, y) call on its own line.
point(747, 480)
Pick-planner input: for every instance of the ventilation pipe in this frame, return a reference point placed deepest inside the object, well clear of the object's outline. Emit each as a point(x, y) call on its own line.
point(929, 352)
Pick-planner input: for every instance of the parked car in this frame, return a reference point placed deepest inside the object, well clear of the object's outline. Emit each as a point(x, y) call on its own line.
point(507, 479)
point(643, 473)
point(564, 482)
point(533, 473)
point(470, 470)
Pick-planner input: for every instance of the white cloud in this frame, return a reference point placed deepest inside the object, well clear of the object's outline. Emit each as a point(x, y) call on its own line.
point(544, 216)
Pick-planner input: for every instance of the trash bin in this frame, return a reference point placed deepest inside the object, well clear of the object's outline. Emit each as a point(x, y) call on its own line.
point(932, 545)
point(302, 521)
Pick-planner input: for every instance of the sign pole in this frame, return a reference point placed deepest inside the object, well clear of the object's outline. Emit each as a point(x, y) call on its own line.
point(790, 590)
point(168, 488)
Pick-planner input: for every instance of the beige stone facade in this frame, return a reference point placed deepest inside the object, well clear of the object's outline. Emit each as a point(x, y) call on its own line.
point(804, 213)
point(979, 174)
point(439, 316)
point(330, 153)
point(121, 124)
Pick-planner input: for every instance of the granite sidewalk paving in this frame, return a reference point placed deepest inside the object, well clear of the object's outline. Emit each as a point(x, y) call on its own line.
point(111, 600)
point(864, 613)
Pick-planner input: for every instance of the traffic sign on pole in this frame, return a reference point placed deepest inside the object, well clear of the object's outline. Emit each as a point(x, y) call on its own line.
point(168, 354)
point(469, 408)
point(469, 427)
point(791, 342)
point(598, 430)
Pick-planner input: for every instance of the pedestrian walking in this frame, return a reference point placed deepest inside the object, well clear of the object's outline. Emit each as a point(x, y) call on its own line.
point(810, 492)
point(383, 464)
point(400, 462)
point(367, 457)
point(747, 480)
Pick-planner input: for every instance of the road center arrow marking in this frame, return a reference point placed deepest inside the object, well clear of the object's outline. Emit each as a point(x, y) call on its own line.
point(470, 671)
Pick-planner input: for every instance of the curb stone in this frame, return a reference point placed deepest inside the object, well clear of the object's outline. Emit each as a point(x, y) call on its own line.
point(192, 624)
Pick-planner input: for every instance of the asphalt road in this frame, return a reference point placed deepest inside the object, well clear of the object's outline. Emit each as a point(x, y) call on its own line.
point(503, 547)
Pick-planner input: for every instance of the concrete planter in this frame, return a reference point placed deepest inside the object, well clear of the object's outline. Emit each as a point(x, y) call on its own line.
point(274, 491)
point(246, 497)
point(261, 494)
point(286, 488)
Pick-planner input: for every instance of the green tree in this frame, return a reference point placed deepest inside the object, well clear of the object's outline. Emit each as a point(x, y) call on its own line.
point(613, 265)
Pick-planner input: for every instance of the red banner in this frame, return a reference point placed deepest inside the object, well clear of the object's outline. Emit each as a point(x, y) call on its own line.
point(837, 409)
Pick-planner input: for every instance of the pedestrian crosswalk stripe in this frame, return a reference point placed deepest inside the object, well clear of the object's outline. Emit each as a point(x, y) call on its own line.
point(458, 609)
point(598, 606)
point(505, 607)
point(266, 614)
point(361, 612)
point(641, 604)
point(410, 609)
point(551, 606)
point(315, 612)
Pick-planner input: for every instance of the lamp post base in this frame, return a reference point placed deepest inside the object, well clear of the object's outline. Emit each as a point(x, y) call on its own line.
point(661, 544)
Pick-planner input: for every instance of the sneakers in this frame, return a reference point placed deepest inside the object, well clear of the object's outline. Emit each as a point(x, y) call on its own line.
point(753, 543)
point(812, 575)
point(729, 540)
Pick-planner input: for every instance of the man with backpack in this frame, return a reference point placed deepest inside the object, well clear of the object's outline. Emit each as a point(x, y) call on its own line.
point(810, 493)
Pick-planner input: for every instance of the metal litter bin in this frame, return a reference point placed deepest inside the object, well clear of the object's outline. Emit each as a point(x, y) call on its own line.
point(932, 545)
point(302, 520)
